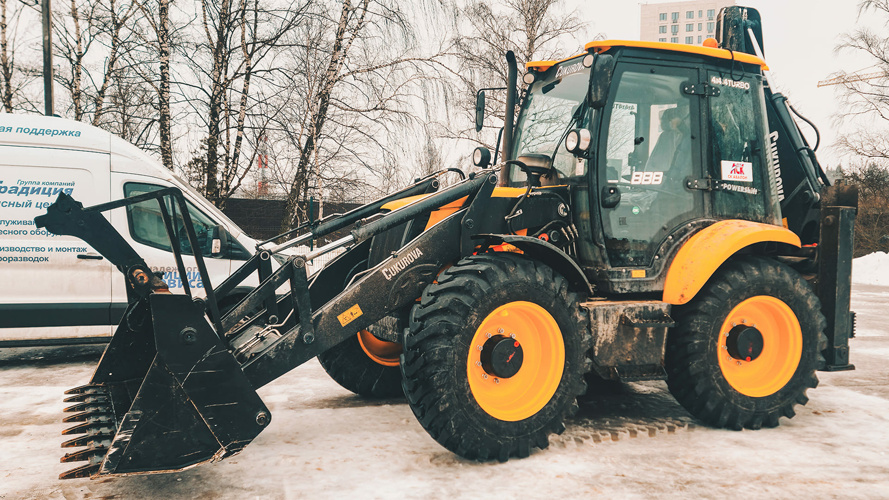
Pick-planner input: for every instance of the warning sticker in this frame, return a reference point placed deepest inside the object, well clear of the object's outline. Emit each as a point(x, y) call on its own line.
point(737, 171)
point(350, 315)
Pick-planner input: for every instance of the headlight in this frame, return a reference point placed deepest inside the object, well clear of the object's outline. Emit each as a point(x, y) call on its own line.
point(481, 157)
point(578, 141)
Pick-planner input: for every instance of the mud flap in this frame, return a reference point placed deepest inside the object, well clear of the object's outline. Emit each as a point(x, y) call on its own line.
point(167, 395)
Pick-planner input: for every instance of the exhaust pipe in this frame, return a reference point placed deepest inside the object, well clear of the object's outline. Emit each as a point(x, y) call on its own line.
point(509, 118)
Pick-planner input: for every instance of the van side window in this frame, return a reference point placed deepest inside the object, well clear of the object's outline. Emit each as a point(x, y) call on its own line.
point(147, 224)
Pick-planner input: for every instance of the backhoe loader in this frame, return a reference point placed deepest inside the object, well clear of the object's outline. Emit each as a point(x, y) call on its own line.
point(656, 213)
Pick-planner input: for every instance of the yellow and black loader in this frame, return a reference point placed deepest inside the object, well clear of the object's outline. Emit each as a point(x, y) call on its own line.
point(655, 214)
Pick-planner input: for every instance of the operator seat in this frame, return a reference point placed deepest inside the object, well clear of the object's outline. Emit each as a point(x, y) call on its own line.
point(668, 142)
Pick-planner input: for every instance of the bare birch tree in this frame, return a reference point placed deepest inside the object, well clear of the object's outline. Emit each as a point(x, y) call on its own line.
point(360, 75)
point(866, 101)
point(228, 65)
point(532, 29)
point(13, 76)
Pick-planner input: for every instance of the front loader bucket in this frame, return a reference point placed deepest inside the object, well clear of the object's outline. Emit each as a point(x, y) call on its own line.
point(167, 395)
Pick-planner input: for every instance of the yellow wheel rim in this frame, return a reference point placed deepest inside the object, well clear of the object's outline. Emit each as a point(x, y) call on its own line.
point(782, 347)
point(533, 386)
point(382, 352)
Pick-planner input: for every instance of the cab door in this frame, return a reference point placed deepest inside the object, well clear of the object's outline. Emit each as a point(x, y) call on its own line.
point(650, 149)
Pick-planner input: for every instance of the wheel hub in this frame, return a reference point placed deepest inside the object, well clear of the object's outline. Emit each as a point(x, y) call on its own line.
point(744, 343)
point(502, 356)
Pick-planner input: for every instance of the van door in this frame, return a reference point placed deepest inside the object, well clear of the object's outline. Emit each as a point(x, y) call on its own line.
point(142, 225)
point(50, 280)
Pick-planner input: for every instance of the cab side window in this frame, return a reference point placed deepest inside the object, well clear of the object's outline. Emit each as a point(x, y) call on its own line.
point(147, 224)
point(737, 137)
point(648, 159)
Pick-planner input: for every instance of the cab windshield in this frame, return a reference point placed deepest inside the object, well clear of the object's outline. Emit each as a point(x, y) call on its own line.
point(546, 114)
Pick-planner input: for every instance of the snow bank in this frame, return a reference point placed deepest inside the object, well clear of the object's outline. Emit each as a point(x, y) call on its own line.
point(872, 269)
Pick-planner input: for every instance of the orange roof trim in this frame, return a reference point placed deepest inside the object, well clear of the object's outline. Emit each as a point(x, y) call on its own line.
point(606, 45)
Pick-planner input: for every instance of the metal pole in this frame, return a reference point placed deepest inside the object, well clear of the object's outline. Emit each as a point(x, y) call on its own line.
point(47, 58)
point(311, 220)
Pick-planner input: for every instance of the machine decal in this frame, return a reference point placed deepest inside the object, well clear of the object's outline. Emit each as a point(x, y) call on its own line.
point(350, 315)
point(567, 70)
point(737, 171)
point(776, 164)
point(401, 264)
point(739, 189)
point(647, 178)
point(728, 82)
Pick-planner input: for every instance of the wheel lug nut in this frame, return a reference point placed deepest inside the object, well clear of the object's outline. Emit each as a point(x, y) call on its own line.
point(496, 380)
point(478, 363)
point(488, 335)
point(484, 375)
point(479, 347)
point(512, 336)
point(500, 330)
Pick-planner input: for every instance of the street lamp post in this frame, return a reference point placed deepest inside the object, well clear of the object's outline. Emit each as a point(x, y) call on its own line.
point(47, 57)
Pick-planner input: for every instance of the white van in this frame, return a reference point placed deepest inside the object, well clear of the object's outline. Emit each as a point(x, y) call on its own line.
point(57, 289)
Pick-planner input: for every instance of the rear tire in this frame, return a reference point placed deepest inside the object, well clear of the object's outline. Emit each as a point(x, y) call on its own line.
point(469, 407)
point(366, 365)
point(724, 387)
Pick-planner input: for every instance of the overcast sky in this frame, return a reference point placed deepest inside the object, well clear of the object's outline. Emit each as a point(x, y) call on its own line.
point(799, 36)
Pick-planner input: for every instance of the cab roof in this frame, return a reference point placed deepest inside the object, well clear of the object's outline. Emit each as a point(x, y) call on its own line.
point(606, 45)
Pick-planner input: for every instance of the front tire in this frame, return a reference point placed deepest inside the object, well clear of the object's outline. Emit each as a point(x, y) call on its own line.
point(365, 364)
point(495, 356)
point(745, 349)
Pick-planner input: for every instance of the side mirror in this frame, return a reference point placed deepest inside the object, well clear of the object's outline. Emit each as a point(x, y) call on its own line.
point(220, 240)
point(600, 80)
point(479, 110)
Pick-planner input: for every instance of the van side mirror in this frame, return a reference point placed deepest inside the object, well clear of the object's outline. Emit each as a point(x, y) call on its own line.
point(220, 240)
point(479, 110)
point(600, 81)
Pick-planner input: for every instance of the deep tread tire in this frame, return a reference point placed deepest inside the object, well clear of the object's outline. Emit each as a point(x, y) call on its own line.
point(694, 376)
point(436, 350)
point(349, 366)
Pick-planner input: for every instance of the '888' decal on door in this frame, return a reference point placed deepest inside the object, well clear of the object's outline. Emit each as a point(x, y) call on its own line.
point(647, 178)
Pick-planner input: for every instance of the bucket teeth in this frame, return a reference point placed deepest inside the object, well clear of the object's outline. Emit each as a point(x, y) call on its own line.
point(86, 398)
point(97, 425)
point(89, 415)
point(94, 453)
point(98, 438)
point(84, 407)
point(87, 389)
point(82, 471)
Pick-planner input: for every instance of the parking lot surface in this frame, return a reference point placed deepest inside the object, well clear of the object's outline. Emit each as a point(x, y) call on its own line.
point(633, 442)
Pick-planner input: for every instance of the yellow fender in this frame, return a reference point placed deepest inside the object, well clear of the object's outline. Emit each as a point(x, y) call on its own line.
point(702, 255)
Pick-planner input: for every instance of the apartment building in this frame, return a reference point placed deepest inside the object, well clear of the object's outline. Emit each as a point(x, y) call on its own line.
point(689, 22)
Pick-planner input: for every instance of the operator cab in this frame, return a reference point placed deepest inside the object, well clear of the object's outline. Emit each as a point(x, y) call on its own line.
point(677, 143)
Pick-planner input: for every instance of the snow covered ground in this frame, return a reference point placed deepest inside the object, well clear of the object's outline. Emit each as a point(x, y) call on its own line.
point(326, 443)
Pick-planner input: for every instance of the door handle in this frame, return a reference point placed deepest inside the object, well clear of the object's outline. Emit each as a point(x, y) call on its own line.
point(89, 256)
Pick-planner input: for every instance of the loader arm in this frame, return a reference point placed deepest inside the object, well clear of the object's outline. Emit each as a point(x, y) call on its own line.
point(176, 388)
